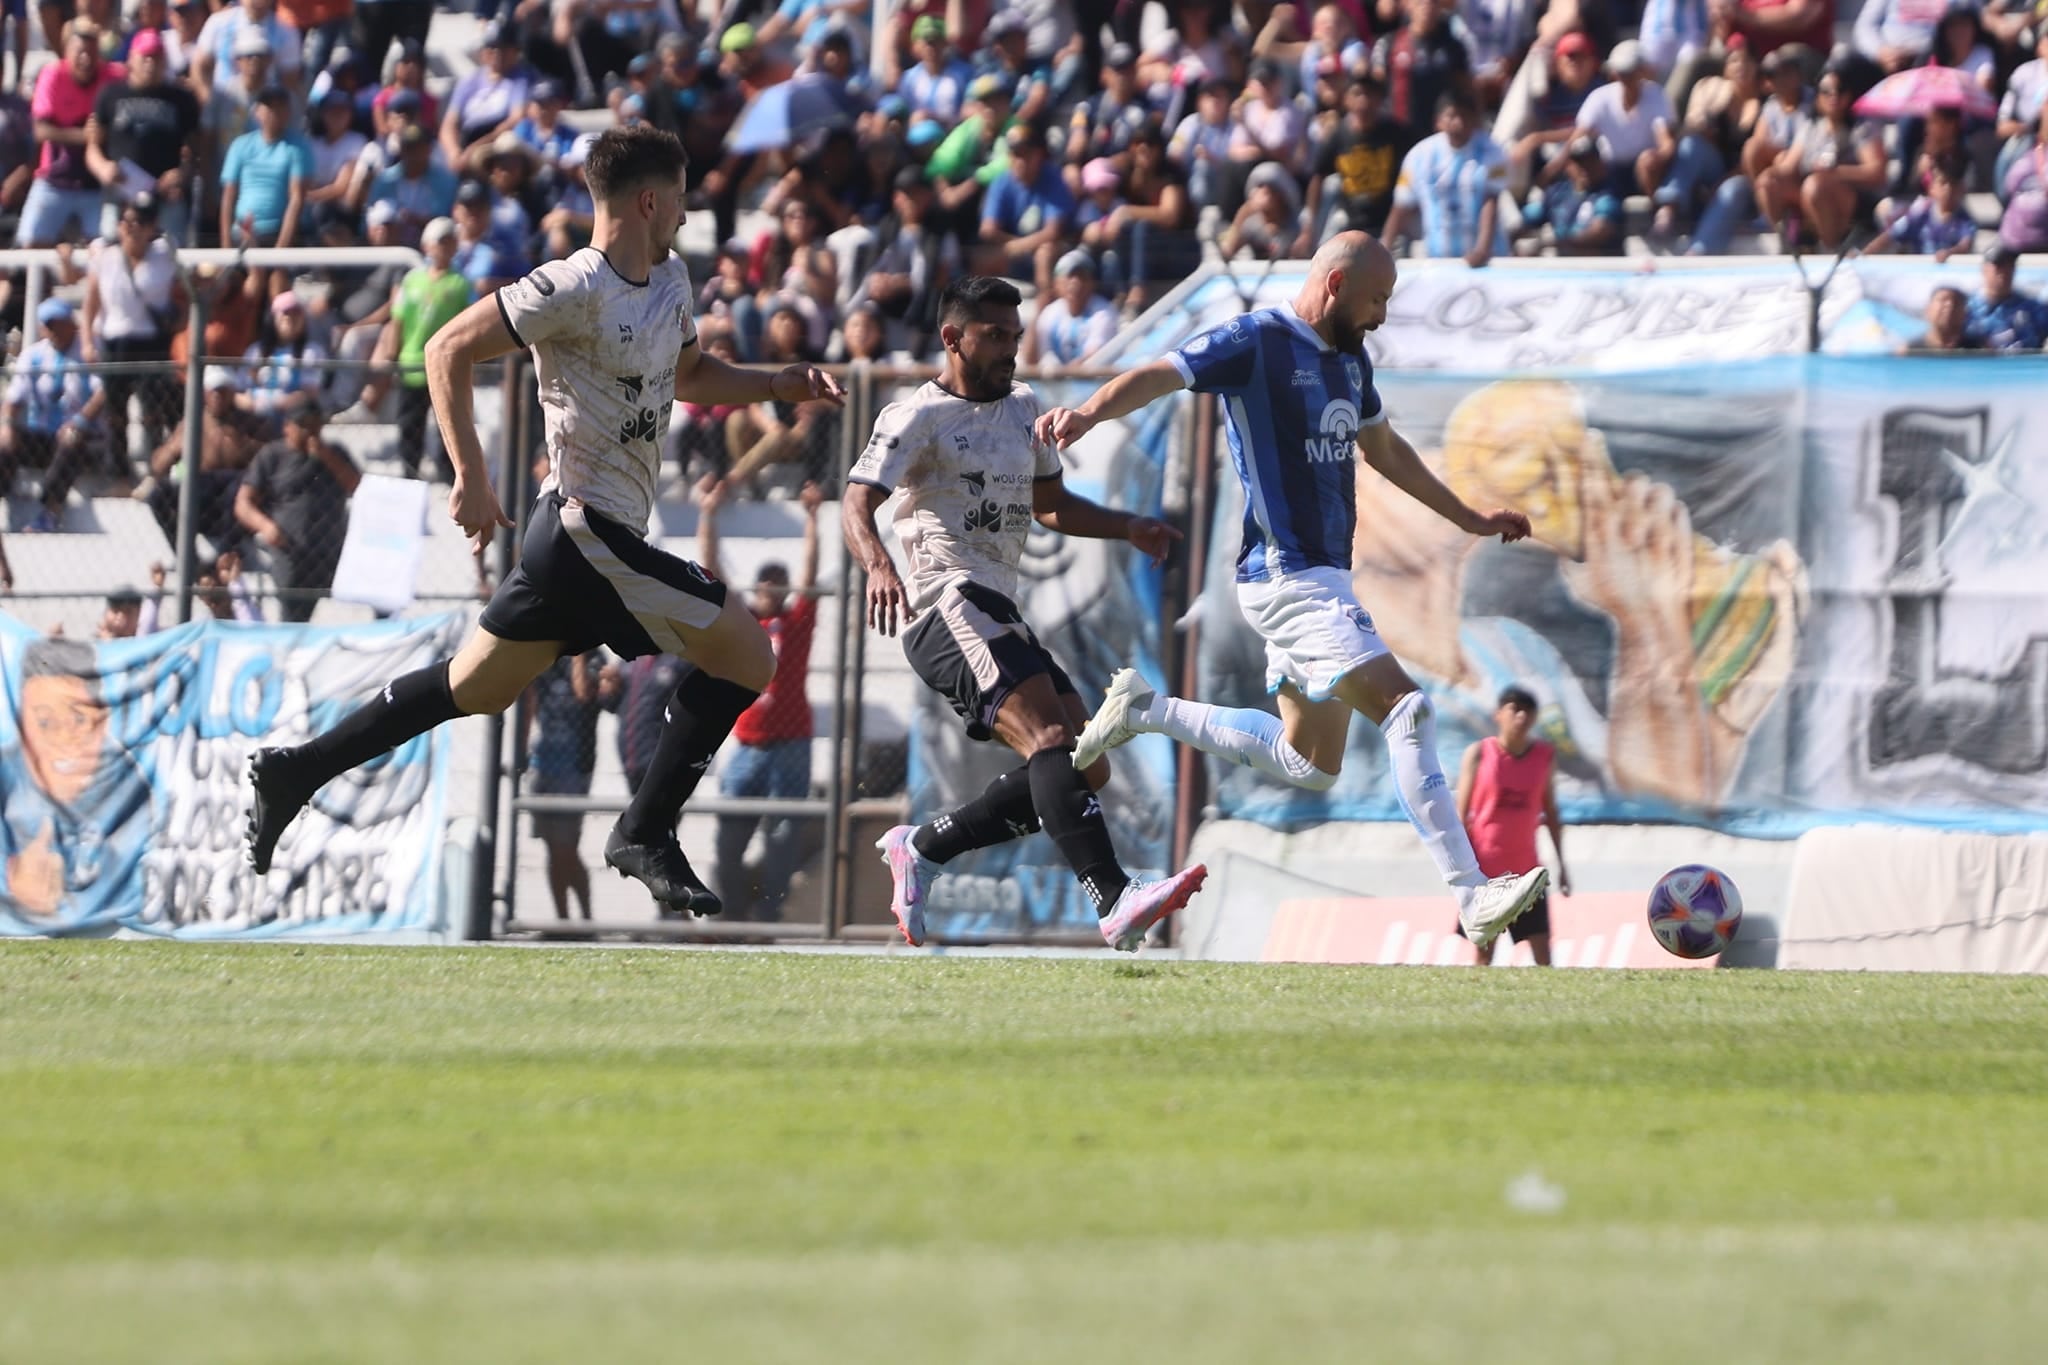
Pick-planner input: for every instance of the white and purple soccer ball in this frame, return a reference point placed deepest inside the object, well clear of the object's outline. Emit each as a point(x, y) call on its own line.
point(1695, 910)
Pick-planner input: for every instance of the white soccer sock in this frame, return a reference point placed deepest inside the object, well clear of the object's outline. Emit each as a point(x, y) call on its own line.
point(1241, 735)
point(1432, 807)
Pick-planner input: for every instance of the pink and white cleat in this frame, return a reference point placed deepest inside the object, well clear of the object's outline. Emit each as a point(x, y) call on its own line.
point(910, 876)
point(1144, 904)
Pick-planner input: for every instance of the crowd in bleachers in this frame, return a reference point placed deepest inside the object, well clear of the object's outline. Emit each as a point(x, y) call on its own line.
point(1094, 151)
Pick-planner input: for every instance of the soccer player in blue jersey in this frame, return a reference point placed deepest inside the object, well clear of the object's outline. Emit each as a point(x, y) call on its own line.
point(1298, 395)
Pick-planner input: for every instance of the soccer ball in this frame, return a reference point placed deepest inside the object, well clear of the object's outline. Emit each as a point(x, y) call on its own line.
point(1695, 910)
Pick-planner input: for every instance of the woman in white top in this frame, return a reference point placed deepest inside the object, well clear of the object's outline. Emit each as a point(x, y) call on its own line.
point(133, 305)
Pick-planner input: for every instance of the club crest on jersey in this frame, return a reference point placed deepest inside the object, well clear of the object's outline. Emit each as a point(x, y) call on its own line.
point(1354, 372)
point(1339, 428)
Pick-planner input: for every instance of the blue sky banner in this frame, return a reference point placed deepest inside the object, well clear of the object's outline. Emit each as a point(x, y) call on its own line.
point(122, 791)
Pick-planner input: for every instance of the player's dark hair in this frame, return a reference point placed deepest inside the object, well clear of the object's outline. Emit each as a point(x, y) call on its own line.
point(773, 572)
point(962, 300)
point(60, 658)
point(1521, 698)
point(624, 159)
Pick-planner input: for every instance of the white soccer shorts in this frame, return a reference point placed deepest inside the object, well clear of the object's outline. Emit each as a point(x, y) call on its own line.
point(1314, 629)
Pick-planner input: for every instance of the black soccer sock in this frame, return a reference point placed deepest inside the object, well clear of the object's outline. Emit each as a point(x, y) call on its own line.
point(1000, 814)
point(1073, 817)
point(698, 718)
point(408, 706)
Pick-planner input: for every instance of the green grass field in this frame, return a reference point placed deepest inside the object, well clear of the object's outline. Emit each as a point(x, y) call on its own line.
point(311, 1154)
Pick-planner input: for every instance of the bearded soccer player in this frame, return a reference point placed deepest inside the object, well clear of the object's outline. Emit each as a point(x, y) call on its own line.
point(613, 341)
point(1298, 394)
point(973, 479)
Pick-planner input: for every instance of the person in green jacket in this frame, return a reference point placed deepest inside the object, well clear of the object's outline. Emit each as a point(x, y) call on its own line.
point(424, 302)
point(973, 154)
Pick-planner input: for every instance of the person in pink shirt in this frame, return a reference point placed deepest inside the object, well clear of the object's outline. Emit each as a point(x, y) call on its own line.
point(1505, 789)
point(65, 189)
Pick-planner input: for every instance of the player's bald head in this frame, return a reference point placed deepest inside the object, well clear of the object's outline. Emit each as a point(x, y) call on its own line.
point(1352, 253)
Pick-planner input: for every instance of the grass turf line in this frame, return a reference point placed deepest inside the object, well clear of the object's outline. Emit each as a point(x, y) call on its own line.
point(275, 1153)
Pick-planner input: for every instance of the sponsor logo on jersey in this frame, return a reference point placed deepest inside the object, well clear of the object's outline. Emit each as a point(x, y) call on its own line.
point(625, 334)
point(542, 285)
point(643, 427)
point(1339, 427)
point(977, 483)
point(631, 384)
point(961, 443)
point(986, 517)
point(1307, 379)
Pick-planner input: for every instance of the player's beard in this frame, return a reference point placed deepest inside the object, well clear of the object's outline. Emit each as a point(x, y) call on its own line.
point(991, 381)
point(1347, 337)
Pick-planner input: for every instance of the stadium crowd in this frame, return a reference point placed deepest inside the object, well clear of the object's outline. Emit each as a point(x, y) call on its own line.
point(1084, 149)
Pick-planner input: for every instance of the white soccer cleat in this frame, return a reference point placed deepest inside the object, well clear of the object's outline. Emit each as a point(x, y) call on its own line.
point(1111, 723)
point(911, 875)
point(1144, 904)
point(1493, 907)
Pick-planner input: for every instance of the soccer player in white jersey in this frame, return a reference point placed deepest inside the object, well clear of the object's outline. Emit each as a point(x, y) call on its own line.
point(1299, 400)
point(973, 478)
point(613, 343)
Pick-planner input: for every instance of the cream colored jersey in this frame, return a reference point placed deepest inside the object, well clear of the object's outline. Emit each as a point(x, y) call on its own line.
point(966, 471)
point(604, 351)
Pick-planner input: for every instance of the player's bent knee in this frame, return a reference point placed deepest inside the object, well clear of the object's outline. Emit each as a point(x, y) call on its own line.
point(1316, 780)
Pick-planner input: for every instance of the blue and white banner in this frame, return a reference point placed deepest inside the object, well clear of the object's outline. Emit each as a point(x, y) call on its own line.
point(1095, 605)
point(1759, 597)
point(123, 799)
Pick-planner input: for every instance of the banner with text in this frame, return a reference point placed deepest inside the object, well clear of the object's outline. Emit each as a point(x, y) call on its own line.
point(1761, 597)
point(1095, 605)
point(123, 799)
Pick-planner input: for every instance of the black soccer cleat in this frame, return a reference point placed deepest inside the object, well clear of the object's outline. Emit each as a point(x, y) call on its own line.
point(664, 871)
point(277, 793)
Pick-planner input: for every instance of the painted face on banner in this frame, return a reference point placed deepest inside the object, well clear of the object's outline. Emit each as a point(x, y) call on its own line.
point(63, 726)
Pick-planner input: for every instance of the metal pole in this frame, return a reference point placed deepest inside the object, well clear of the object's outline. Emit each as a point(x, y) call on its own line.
point(1193, 770)
point(836, 851)
point(195, 421)
point(483, 857)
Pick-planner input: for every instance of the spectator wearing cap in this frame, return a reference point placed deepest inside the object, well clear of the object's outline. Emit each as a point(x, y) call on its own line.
point(1353, 185)
point(121, 615)
point(181, 37)
point(974, 153)
point(509, 171)
point(1008, 58)
point(1452, 181)
point(406, 99)
point(50, 413)
point(1075, 323)
point(263, 181)
point(1582, 212)
point(899, 48)
point(426, 300)
point(1633, 121)
point(487, 259)
point(384, 22)
point(2001, 318)
point(747, 63)
point(543, 129)
point(337, 146)
point(1102, 124)
point(937, 85)
point(344, 76)
point(65, 190)
point(1269, 125)
point(229, 438)
point(148, 123)
point(419, 187)
point(134, 303)
point(1028, 213)
point(1419, 62)
point(326, 24)
point(213, 67)
point(1269, 220)
point(230, 109)
point(490, 100)
point(285, 363)
point(1099, 219)
point(1553, 115)
point(1948, 313)
point(294, 501)
point(917, 260)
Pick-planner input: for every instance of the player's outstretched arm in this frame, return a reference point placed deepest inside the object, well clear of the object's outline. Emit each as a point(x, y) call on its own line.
point(709, 382)
point(888, 601)
point(477, 333)
point(1121, 396)
point(1059, 508)
point(1387, 452)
